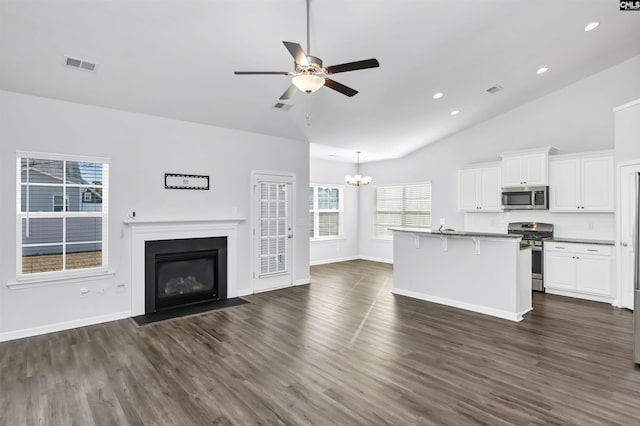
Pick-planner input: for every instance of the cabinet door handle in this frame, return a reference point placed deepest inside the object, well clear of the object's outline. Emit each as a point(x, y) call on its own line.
point(592, 250)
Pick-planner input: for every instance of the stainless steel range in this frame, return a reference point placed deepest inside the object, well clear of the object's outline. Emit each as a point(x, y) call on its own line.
point(533, 234)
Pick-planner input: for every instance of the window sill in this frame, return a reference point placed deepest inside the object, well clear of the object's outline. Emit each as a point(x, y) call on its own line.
point(63, 278)
point(326, 239)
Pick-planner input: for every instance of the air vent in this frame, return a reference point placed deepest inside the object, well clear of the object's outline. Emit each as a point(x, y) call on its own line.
point(494, 89)
point(79, 63)
point(284, 107)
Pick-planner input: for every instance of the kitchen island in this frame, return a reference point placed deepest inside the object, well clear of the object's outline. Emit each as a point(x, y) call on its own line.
point(481, 272)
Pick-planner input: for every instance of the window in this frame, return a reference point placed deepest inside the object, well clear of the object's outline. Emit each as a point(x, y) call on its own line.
point(402, 206)
point(60, 227)
point(325, 212)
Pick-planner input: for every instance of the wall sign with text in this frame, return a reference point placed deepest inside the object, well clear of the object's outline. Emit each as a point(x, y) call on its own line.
point(180, 181)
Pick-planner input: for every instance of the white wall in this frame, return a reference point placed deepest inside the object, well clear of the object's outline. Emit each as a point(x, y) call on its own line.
point(627, 132)
point(345, 248)
point(573, 119)
point(142, 148)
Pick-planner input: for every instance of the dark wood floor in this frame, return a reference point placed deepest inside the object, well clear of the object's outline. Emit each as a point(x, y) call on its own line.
point(340, 351)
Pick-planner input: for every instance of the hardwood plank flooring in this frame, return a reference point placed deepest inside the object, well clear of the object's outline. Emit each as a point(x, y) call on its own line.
point(340, 351)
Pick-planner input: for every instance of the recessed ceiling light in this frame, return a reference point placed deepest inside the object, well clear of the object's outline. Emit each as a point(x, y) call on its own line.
point(455, 112)
point(438, 95)
point(591, 26)
point(542, 70)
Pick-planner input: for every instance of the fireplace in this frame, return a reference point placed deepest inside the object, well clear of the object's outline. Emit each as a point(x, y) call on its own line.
point(182, 272)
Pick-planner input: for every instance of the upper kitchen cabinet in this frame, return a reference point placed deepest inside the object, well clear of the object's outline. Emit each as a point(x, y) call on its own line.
point(479, 188)
point(526, 168)
point(581, 182)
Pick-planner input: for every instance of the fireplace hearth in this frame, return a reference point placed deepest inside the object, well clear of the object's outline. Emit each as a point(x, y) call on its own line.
point(182, 272)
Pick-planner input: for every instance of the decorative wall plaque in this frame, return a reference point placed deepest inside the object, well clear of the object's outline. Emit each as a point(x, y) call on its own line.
point(180, 181)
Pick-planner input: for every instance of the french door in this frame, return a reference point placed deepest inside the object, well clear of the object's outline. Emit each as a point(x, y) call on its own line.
point(272, 231)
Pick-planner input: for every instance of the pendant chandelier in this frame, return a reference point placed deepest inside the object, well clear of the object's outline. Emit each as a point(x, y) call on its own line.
point(358, 179)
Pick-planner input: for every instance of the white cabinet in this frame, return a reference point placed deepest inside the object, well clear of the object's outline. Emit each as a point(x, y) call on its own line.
point(479, 189)
point(525, 168)
point(581, 183)
point(578, 270)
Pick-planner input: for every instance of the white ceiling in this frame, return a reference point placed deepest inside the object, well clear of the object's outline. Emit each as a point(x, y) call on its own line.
point(175, 58)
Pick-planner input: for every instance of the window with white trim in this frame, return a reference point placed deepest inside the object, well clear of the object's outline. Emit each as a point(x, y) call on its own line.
point(60, 228)
point(325, 212)
point(402, 206)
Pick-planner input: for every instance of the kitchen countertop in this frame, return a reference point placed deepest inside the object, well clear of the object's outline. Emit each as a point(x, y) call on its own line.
point(582, 241)
point(457, 233)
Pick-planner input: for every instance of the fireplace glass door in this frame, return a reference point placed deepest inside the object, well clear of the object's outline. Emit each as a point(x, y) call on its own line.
point(185, 278)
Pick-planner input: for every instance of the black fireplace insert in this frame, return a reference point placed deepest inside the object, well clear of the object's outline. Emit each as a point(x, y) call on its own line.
point(184, 271)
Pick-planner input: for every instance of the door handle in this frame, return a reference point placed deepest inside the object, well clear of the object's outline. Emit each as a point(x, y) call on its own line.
point(290, 235)
point(623, 244)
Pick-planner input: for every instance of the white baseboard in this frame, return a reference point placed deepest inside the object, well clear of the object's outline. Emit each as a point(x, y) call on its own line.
point(335, 260)
point(593, 297)
point(244, 292)
point(60, 326)
point(376, 259)
point(463, 305)
point(303, 281)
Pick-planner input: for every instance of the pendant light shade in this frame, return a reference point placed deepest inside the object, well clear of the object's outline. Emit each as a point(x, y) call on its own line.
point(358, 180)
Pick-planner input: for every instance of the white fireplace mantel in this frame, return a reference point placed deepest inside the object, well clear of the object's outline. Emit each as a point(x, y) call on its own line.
point(143, 230)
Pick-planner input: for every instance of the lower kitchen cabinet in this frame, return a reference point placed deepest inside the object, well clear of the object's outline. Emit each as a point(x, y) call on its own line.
point(578, 270)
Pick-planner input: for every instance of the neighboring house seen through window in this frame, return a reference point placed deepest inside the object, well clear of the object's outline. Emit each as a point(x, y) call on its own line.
point(325, 212)
point(60, 227)
point(402, 206)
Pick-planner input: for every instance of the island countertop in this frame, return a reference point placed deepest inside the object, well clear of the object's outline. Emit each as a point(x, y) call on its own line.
point(454, 233)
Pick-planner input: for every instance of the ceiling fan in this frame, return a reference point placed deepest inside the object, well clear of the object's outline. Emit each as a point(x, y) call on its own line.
point(309, 74)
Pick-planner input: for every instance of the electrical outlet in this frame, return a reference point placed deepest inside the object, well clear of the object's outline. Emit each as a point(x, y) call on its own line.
point(121, 287)
point(84, 292)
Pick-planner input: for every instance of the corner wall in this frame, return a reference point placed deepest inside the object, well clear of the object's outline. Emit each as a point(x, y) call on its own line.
point(345, 248)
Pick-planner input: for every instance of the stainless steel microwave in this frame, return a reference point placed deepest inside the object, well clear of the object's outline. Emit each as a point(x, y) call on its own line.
point(525, 198)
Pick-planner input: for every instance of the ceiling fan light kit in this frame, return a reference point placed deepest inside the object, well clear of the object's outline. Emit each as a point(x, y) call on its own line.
point(308, 83)
point(309, 74)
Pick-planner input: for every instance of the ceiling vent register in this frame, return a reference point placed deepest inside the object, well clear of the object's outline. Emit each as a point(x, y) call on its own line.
point(79, 63)
point(283, 107)
point(494, 89)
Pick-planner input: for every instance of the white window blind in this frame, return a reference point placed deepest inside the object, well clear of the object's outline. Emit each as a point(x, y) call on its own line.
point(325, 212)
point(402, 206)
point(61, 228)
point(274, 223)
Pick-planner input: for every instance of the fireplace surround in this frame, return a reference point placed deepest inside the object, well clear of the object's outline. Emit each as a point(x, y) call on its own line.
point(142, 229)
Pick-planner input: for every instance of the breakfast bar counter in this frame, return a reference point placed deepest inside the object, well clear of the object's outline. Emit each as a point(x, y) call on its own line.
point(482, 272)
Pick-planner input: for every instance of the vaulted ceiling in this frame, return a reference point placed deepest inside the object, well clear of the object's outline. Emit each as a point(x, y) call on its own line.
point(175, 58)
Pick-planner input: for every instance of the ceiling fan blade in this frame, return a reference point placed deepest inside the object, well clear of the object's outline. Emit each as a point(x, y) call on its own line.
point(352, 66)
point(289, 92)
point(296, 51)
point(338, 87)
point(262, 72)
